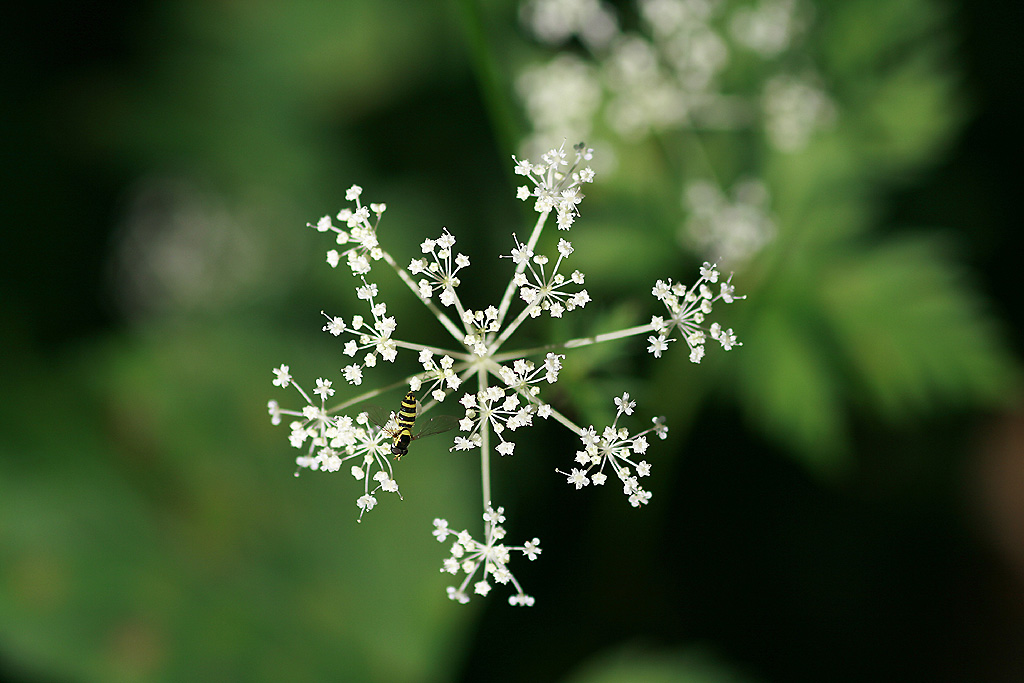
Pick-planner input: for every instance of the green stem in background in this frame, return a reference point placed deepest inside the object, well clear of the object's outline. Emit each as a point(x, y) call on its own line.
point(490, 77)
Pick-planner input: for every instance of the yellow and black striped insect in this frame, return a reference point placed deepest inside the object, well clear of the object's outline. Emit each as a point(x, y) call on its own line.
point(399, 426)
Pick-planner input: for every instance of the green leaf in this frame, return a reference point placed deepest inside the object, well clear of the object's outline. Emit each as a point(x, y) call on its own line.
point(636, 665)
point(912, 332)
point(788, 385)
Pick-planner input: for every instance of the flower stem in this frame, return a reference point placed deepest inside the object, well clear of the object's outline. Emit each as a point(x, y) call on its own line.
point(302, 391)
point(506, 299)
point(366, 396)
point(412, 346)
point(485, 448)
point(513, 326)
point(566, 422)
point(452, 328)
point(575, 343)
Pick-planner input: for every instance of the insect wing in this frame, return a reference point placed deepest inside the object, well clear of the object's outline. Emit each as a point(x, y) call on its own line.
point(383, 419)
point(436, 425)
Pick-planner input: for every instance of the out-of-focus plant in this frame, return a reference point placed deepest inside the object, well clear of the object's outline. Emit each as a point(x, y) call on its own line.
point(779, 123)
point(626, 664)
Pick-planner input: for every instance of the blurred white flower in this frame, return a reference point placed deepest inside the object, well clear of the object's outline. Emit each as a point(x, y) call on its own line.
point(728, 230)
point(794, 109)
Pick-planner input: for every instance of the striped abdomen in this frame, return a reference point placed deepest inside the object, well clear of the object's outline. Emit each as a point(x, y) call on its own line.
point(405, 419)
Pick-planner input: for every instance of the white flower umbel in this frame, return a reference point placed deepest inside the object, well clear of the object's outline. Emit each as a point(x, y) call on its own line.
point(555, 21)
point(688, 309)
point(794, 109)
point(469, 555)
point(439, 375)
point(361, 236)
point(542, 292)
point(766, 28)
point(616, 449)
point(330, 442)
point(438, 272)
point(375, 339)
point(494, 409)
point(556, 184)
point(502, 390)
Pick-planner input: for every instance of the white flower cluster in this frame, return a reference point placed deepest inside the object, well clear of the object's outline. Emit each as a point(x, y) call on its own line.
point(542, 292)
point(469, 555)
point(506, 387)
point(666, 76)
point(330, 442)
point(374, 339)
point(615, 448)
point(439, 274)
point(524, 374)
point(480, 324)
point(687, 311)
point(438, 374)
point(556, 21)
point(561, 97)
point(795, 107)
point(556, 187)
point(730, 230)
point(768, 27)
point(686, 65)
point(492, 408)
point(361, 234)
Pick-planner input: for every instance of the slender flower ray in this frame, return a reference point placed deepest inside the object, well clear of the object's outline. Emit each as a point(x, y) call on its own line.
point(407, 279)
point(485, 450)
point(464, 357)
point(365, 396)
point(510, 289)
point(574, 343)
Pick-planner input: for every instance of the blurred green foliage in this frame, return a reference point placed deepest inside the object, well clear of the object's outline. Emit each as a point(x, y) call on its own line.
point(153, 530)
point(643, 665)
point(845, 318)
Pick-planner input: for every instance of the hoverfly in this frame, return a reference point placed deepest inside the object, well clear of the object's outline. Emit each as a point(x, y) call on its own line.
point(399, 426)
